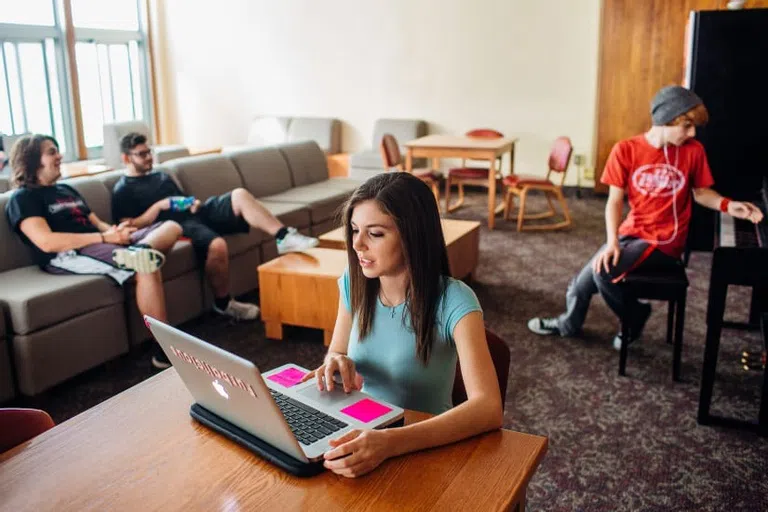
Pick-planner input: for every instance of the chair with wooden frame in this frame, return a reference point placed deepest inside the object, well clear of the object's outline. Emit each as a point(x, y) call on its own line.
point(466, 175)
point(519, 185)
point(391, 156)
point(500, 356)
point(20, 425)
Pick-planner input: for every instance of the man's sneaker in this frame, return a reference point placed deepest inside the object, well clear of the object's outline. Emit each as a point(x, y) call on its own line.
point(635, 331)
point(159, 359)
point(239, 310)
point(142, 260)
point(544, 326)
point(295, 242)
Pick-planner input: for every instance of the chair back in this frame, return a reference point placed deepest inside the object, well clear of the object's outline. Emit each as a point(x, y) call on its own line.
point(500, 355)
point(20, 425)
point(390, 152)
point(560, 154)
point(484, 133)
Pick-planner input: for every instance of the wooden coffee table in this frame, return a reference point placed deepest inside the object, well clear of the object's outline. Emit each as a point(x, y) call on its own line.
point(301, 289)
point(462, 239)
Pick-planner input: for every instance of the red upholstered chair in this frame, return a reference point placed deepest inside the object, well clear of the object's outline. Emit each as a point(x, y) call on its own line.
point(520, 184)
point(500, 355)
point(20, 425)
point(391, 156)
point(466, 175)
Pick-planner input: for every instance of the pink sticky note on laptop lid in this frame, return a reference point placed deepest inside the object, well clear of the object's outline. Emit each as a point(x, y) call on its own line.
point(366, 410)
point(288, 377)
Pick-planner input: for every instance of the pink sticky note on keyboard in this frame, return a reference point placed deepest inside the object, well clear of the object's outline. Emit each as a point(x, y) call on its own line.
point(366, 410)
point(288, 377)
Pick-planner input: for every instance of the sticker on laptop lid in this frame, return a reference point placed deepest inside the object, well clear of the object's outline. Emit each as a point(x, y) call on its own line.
point(366, 410)
point(288, 377)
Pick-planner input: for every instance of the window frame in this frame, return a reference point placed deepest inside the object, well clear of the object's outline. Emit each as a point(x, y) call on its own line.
point(65, 36)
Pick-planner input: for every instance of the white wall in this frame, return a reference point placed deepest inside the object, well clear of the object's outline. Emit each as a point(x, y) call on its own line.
point(525, 67)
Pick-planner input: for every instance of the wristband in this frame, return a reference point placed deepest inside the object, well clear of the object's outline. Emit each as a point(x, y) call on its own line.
point(724, 202)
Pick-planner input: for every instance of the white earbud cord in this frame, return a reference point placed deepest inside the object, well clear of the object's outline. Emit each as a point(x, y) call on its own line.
point(674, 195)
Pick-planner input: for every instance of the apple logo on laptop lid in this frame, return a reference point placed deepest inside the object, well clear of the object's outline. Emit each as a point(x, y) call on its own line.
point(220, 389)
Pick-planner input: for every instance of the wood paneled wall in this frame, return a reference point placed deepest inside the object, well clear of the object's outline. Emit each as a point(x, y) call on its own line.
point(641, 50)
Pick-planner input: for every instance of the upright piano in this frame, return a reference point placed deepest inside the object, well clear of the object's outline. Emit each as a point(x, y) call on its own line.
point(740, 258)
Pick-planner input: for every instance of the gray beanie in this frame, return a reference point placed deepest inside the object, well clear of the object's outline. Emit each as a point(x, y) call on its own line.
point(672, 101)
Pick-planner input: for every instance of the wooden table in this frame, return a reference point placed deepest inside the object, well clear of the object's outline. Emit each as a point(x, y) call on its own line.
point(462, 240)
point(338, 165)
point(140, 450)
point(435, 147)
point(301, 289)
point(197, 151)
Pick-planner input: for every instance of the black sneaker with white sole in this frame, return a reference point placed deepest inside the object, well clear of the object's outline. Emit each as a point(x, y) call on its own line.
point(159, 359)
point(635, 330)
point(544, 326)
point(142, 260)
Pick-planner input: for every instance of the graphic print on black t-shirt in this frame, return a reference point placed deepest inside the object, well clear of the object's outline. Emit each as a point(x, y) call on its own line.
point(133, 195)
point(62, 207)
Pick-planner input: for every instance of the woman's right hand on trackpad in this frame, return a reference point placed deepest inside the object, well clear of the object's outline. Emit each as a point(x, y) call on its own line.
point(336, 363)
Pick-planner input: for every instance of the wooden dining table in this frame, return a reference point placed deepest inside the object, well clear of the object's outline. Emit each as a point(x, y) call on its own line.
point(140, 450)
point(435, 147)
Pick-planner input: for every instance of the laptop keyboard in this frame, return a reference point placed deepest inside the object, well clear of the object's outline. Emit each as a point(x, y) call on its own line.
point(307, 424)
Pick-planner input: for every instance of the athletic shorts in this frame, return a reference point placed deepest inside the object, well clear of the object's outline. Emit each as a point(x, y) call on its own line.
point(96, 259)
point(214, 219)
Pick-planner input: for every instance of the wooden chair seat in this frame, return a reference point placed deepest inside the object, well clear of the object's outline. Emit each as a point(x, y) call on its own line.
point(522, 180)
point(470, 175)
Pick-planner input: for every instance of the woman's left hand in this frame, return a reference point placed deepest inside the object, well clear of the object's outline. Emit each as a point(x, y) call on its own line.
point(357, 452)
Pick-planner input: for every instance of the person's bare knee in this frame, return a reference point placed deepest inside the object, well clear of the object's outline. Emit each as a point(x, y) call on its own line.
point(218, 253)
point(164, 236)
point(240, 197)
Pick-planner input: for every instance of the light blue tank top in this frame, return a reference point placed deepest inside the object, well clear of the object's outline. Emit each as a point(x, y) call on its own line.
point(387, 357)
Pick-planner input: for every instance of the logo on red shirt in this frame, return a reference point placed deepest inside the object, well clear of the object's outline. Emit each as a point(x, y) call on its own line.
point(658, 180)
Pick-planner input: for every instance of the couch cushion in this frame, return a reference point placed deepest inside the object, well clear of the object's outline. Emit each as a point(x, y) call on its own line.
point(205, 176)
point(346, 184)
point(13, 252)
point(322, 200)
point(306, 161)
point(179, 260)
point(264, 170)
point(97, 196)
point(169, 152)
point(326, 132)
point(267, 131)
point(36, 299)
point(369, 159)
point(290, 214)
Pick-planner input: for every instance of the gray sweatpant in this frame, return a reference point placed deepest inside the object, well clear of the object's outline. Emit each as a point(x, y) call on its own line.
point(587, 283)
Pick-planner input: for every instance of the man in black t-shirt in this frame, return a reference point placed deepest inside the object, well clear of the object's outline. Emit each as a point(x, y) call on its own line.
point(142, 197)
point(66, 237)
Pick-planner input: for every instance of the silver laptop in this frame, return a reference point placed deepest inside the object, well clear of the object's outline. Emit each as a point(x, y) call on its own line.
point(293, 417)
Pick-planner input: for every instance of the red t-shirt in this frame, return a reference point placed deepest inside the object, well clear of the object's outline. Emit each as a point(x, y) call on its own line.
point(658, 184)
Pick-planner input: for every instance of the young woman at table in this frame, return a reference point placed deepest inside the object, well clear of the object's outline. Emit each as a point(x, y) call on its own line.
point(401, 323)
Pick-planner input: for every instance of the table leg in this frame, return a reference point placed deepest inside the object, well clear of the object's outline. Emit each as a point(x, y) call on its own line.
point(273, 330)
point(409, 160)
point(327, 335)
point(492, 193)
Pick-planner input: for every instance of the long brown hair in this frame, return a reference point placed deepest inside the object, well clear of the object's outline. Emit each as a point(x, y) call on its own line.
point(26, 159)
point(410, 203)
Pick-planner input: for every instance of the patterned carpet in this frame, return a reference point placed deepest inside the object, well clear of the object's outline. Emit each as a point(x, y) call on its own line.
point(615, 443)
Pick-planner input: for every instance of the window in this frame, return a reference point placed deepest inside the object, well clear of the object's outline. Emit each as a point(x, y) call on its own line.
point(110, 60)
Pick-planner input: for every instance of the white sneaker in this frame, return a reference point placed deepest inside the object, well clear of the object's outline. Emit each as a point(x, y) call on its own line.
point(142, 260)
point(295, 242)
point(239, 310)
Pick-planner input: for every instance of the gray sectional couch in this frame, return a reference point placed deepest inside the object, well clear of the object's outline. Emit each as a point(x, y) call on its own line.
point(58, 326)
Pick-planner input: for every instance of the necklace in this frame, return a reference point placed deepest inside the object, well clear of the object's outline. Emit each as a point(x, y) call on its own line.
point(388, 303)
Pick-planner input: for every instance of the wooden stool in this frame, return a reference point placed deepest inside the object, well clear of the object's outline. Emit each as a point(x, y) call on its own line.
point(670, 285)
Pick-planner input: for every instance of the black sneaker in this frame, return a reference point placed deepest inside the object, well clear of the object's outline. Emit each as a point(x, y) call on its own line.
point(159, 359)
point(635, 331)
point(544, 326)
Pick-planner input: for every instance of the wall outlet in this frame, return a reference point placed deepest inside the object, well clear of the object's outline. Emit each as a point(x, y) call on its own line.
point(589, 173)
point(578, 160)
